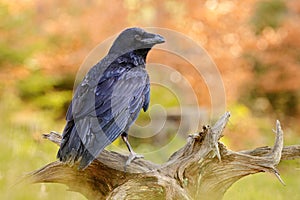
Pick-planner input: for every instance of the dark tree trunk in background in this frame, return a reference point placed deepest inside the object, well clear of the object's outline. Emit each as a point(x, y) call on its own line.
point(203, 169)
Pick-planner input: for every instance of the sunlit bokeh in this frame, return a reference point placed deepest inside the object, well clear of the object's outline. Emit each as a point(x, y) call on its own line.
point(254, 44)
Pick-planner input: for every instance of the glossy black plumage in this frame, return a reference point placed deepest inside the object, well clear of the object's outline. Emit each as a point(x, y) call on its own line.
point(109, 98)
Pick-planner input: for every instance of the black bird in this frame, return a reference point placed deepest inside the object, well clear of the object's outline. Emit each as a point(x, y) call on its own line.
point(109, 99)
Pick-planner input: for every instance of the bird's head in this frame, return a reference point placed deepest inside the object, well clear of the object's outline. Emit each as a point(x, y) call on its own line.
point(134, 39)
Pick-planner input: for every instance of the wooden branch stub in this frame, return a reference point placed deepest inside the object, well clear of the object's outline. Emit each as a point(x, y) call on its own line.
point(53, 137)
point(202, 169)
point(278, 146)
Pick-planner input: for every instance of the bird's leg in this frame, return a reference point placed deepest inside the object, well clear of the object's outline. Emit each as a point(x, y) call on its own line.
point(132, 154)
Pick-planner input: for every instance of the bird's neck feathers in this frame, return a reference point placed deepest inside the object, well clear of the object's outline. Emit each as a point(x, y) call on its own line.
point(142, 52)
point(119, 52)
point(137, 56)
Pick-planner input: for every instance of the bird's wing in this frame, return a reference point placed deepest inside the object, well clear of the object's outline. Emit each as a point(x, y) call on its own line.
point(102, 113)
point(146, 96)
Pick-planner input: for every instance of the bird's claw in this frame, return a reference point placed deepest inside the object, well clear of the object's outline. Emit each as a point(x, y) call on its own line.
point(131, 157)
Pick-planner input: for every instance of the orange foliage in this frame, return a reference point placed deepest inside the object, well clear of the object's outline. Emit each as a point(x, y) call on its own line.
point(221, 27)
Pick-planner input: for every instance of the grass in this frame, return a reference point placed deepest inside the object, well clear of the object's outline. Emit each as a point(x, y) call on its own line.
point(266, 186)
point(23, 150)
point(21, 153)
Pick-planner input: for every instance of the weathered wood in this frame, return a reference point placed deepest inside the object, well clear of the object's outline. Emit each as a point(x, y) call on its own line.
point(203, 169)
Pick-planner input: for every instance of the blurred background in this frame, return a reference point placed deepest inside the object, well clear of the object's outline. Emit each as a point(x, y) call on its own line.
point(255, 45)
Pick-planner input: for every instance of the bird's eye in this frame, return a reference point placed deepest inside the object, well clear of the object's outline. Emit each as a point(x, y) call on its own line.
point(138, 37)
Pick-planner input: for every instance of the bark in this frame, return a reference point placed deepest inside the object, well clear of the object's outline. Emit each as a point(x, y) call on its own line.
point(203, 169)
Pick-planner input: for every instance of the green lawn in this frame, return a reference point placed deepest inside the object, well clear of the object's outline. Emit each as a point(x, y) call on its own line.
point(23, 150)
point(266, 186)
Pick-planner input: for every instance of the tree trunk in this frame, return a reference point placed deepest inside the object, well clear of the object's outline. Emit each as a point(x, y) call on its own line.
point(203, 169)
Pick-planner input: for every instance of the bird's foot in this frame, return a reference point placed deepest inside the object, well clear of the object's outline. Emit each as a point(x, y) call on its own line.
point(131, 157)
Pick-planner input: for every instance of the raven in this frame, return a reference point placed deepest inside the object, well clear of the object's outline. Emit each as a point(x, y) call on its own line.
point(108, 100)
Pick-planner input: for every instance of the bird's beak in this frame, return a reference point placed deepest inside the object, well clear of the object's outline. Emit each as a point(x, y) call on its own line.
point(153, 39)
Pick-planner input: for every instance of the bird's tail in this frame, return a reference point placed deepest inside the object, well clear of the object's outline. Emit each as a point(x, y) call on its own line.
point(72, 149)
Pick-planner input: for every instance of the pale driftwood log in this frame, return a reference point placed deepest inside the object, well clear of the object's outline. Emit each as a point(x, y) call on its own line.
point(203, 169)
